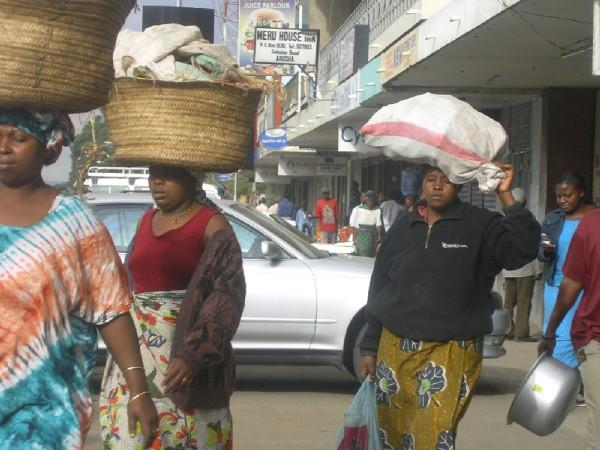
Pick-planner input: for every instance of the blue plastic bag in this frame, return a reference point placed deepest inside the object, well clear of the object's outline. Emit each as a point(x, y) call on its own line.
point(360, 430)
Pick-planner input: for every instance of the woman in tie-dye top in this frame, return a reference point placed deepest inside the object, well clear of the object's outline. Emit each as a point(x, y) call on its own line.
point(60, 277)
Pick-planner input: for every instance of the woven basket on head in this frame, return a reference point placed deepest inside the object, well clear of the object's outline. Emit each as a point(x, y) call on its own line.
point(57, 54)
point(201, 125)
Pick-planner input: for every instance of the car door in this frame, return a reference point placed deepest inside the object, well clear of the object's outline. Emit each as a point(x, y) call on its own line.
point(281, 301)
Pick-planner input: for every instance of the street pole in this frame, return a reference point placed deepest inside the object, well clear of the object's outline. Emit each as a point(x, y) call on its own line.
point(225, 11)
point(596, 39)
point(235, 187)
point(299, 109)
point(179, 3)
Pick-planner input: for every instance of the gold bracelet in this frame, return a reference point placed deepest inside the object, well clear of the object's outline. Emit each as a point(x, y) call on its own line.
point(135, 397)
point(132, 368)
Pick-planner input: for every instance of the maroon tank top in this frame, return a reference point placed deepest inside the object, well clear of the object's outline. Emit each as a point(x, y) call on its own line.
point(167, 262)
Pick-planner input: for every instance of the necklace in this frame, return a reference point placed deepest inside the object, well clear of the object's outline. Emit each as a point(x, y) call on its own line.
point(180, 215)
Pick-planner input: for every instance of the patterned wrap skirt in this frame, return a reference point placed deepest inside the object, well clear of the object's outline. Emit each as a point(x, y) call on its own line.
point(155, 315)
point(423, 390)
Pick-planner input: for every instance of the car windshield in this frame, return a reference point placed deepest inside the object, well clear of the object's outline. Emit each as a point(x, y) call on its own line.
point(288, 226)
point(280, 231)
point(121, 220)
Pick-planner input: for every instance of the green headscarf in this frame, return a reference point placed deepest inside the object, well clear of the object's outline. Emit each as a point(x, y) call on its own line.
point(51, 129)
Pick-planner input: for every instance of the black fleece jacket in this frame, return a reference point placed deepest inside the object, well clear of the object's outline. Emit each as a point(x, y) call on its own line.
point(434, 283)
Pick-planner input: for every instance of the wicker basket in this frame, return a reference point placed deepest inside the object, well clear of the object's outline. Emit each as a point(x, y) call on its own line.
point(200, 125)
point(57, 54)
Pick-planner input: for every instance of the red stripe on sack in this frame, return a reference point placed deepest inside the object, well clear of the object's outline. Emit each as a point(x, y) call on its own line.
point(417, 133)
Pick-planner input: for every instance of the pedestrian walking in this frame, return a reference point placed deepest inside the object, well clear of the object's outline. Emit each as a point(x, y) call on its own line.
point(519, 285)
point(409, 203)
point(328, 213)
point(558, 229)
point(285, 207)
point(186, 270)
point(391, 209)
point(367, 226)
point(429, 306)
point(581, 271)
point(262, 206)
point(354, 199)
point(303, 219)
point(273, 209)
point(60, 280)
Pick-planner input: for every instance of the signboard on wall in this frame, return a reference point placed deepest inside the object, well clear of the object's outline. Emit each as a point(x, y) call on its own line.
point(274, 139)
point(350, 140)
point(286, 46)
point(332, 165)
point(399, 57)
point(274, 14)
point(346, 96)
point(297, 165)
point(269, 175)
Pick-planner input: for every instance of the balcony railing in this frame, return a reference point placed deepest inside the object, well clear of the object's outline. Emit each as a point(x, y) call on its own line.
point(378, 14)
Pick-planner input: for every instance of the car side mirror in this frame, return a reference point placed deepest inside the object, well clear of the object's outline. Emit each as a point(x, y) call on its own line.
point(270, 250)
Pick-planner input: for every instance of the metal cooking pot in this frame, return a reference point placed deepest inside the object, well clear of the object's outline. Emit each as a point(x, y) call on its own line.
point(546, 396)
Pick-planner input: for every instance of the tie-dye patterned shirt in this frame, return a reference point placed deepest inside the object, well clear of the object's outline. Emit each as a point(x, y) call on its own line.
point(59, 278)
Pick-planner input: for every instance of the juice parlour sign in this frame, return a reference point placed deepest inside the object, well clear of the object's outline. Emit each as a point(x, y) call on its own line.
point(264, 14)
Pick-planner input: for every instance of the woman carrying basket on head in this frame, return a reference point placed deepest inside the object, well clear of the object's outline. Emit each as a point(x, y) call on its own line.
point(186, 268)
point(60, 280)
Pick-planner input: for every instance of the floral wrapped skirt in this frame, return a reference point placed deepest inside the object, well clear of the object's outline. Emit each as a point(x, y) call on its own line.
point(155, 315)
point(423, 390)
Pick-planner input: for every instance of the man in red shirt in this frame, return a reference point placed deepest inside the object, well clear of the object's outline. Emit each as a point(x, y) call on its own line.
point(327, 212)
point(582, 271)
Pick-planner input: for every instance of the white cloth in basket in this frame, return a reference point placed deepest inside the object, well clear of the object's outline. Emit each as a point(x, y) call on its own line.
point(155, 50)
point(442, 131)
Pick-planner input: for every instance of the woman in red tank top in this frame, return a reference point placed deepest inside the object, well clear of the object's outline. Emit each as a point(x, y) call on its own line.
point(169, 243)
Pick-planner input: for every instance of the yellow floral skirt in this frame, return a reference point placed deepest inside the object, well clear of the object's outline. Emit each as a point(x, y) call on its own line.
point(423, 390)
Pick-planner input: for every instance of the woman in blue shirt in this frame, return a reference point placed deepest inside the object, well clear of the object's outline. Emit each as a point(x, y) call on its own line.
point(559, 227)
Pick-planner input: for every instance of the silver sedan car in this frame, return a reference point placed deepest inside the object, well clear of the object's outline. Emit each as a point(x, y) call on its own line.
point(304, 306)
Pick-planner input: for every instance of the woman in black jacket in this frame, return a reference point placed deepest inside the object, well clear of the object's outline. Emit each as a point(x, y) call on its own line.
point(430, 305)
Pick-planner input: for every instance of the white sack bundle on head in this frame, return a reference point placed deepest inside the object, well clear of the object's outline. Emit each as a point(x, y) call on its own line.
point(442, 131)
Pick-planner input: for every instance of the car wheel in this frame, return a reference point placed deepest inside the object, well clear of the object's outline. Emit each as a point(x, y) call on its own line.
point(353, 366)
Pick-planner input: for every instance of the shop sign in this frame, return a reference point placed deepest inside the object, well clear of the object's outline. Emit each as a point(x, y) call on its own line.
point(350, 139)
point(332, 165)
point(399, 57)
point(370, 79)
point(346, 96)
point(274, 139)
point(290, 46)
point(269, 175)
point(297, 165)
point(223, 177)
point(274, 14)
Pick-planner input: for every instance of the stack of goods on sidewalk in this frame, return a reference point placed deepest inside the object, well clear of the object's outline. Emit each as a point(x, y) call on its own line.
point(441, 131)
point(180, 101)
point(56, 55)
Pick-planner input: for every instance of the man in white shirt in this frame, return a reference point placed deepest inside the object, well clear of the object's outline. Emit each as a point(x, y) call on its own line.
point(367, 226)
point(390, 209)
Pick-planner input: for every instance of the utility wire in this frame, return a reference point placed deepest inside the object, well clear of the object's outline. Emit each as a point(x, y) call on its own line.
point(547, 16)
point(535, 30)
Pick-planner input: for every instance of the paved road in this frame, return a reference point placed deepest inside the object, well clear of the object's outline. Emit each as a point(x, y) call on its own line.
point(302, 408)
